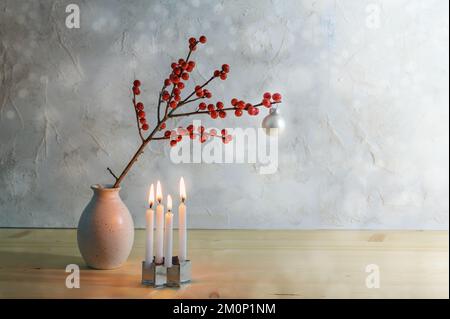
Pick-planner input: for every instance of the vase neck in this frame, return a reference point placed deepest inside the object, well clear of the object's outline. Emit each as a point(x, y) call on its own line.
point(105, 191)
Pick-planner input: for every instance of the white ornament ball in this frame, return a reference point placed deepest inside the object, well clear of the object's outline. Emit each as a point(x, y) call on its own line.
point(273, 124)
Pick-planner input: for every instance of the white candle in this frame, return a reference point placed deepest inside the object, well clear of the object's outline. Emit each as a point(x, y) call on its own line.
point(149, 230)
point(168, 234)
point(182, 232)
point(159, 226)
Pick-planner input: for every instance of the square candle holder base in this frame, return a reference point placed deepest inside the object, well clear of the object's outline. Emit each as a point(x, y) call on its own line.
point(179, 273)
point(153, 274)
point(157, 275)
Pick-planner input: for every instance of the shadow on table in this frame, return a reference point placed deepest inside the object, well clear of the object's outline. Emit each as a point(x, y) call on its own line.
point(15, 259)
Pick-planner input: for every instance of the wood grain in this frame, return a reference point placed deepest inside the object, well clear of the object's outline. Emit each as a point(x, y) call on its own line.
point(239, 264)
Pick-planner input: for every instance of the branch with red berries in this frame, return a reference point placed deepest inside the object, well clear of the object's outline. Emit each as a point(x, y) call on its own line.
point(172, 105)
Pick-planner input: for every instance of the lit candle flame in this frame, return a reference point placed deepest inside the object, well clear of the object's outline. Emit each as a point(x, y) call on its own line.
point(169, 203)
point(151, 196)
point(182, 190)
point(158, 192)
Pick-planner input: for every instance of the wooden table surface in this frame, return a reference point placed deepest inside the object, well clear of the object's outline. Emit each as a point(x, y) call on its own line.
point(239, 264)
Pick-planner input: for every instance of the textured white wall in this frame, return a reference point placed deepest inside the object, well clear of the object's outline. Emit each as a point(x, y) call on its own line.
point(366, 99)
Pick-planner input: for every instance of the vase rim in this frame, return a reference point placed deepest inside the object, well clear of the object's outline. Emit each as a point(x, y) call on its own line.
point(105, 188)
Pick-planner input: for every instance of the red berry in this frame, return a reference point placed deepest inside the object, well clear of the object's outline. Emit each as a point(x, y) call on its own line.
point(202, 39)
point(179, 138)
point(180, 61)
point(163, 126)
point(240, 105)
point(173, 143)
point(267, 95)
point(207, 94)
point(181, 131)
point(190, 128)
point(201, 129)
point(137, 83)
point(145, 127)
point(223, 76)
point(276, 97)
point(173, 65)
point(173, 104)
point(193, 47)
point(184, 65)
point(202, 106)
point(225, 68)
point(199, 93)
point(248, 105)
point(216, 73)
point(191, 64)
point(177, 71)
point(191, 136)
point(165, 96)
point(176, 90)
point(238, 113)
point(222, 114)
point(140, 106)
point(167, 82)
point(192, 40)
point(219, 105)
point(234, 101)
point(203, 138)
point(136, 90)
point(213, 114)
point(210, 107)
point(180, 85)
point(167, 134)
point(255, 111)
point(226, 139)
point(141, 114)
point(142, 120)
point(223, 132)
point(250, 110)
point(177, 98)
point(266, 102)
point(185, 76)
point(212, 132)
point(174, 78)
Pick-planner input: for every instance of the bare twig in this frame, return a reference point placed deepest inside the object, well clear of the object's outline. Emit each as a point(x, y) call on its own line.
point(169, 100)
point(207, 112)
point(112, 173)
point(160, 138)
point(189, 101)
point(201, 87)
point(159, 103)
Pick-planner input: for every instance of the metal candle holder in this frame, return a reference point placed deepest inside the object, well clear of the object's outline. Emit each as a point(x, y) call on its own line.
point(153, 274)
point(158, 275)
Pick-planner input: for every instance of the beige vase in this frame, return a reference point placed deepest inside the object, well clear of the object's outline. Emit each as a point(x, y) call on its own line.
point(105, 230)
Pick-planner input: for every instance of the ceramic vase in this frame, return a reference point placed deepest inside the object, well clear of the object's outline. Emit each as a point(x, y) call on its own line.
point(105, 230)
